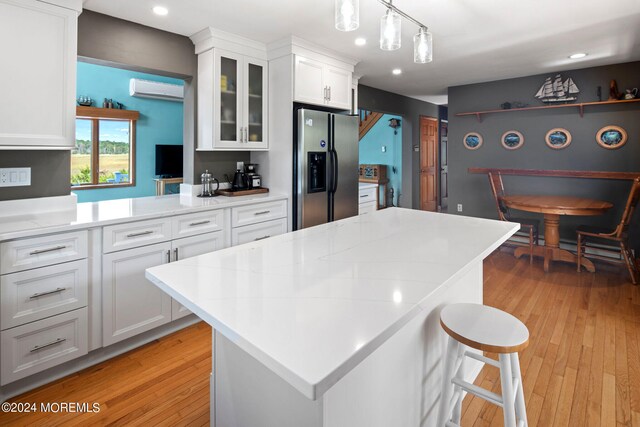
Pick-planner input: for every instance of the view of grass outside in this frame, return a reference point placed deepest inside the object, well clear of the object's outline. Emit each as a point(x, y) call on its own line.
point(113, 146)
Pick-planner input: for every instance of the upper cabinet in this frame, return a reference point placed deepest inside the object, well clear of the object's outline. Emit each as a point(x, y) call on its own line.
point(38, 42)
point(319, 83)
point(232, 93)
point(239, 101)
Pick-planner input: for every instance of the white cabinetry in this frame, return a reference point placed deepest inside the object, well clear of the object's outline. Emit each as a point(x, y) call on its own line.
point(320, 83)
point(368, 199)
point(189, 247)
point(43, 293)
point(257, 222)
point(132, 304)
point(232, 101)
point(38, 43)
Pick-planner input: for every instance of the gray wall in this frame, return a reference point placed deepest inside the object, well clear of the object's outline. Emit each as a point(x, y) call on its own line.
point(583, 154)
point(112, 41)
point(49, 173)
point(410, 109)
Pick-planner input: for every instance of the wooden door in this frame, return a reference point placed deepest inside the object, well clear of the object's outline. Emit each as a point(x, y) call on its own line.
point(428, 164)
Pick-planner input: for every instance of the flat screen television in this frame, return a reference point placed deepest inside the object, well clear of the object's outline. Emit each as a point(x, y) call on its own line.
point(169, 161)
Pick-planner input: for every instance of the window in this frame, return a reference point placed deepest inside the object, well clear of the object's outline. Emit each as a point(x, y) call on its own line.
point(104, 154)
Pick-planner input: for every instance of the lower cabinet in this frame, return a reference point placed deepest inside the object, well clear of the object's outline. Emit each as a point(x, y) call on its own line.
point(36, 346)
point(132, 304)
point(189, 247)
point(254, 232)
point(368, 207)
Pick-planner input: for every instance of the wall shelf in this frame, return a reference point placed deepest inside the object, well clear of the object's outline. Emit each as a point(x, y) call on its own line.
point(106, 113)
point(579, 106)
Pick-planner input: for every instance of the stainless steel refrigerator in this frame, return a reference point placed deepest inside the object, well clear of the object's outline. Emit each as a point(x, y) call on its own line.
point(325, 168)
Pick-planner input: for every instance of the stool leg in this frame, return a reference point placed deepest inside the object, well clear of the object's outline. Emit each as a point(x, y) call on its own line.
point(521, 410)
point(457, 409)
point(507, 391)
point(447, 375)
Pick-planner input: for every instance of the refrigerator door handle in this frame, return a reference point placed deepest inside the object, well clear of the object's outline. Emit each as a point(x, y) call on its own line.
point(334, 170)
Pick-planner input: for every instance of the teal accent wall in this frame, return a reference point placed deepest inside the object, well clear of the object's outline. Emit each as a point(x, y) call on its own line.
point(371, 151)
point(160, 122)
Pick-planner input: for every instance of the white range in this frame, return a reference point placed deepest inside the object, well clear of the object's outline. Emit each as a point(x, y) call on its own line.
point(335, 325)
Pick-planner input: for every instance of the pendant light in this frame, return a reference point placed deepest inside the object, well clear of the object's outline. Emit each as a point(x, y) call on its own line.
point(422, 46)
point(390, 30)
point(347, 15)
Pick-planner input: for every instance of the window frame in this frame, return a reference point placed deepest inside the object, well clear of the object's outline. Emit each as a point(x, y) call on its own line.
point(95, 114)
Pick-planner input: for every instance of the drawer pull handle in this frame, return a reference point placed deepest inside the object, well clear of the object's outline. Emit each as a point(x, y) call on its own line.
point(142, 233)
point(41, 294)
point(193, 224)
point(366, 195)
point(40, 347)
point(262, 213)
point(42, 251)
point(261, 238)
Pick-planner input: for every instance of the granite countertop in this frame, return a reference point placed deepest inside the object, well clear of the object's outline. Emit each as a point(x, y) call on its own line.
point(96, 214)
point(312, 304)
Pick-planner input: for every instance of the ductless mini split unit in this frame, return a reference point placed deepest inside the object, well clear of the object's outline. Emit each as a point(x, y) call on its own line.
point(156, 90)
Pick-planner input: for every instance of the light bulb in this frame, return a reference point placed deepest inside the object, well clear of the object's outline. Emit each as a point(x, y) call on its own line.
point(347, 15)
point(390, 31)
point(422, 47)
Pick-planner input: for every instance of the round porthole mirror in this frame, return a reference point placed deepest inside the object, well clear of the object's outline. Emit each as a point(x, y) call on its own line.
point(472, 141)
point(611, 137)
point(512, 140)
point(558, 138)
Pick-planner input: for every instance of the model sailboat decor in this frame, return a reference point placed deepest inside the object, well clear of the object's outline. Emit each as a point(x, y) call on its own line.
point(557, 92)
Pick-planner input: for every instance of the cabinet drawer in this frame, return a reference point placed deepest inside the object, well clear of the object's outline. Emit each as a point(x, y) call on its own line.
point(197, 223)
point(36, 252)
point(32, 295)
point(365, 208)
point(252, 214)
point(40, 345)
point(254, 232)
point(367, 195)
point(135, 234)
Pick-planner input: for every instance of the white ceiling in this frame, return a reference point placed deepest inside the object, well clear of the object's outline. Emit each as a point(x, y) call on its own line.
point(474, 40)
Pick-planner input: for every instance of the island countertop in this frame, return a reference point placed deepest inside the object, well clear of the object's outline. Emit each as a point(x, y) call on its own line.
point(312, 304)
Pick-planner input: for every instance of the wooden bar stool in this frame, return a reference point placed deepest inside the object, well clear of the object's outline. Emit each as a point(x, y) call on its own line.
point(487, 329)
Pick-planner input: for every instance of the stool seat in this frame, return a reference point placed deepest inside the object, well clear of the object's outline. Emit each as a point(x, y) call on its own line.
point(484, 328)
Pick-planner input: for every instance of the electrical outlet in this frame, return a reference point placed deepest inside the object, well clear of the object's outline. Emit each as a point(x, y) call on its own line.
point(240, 166)
point(15, 177)
point(459, 207)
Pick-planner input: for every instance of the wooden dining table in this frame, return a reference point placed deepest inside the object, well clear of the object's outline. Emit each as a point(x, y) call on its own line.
point(552, 207)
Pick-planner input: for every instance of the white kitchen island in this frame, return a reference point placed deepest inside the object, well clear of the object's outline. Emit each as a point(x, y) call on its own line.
point(335, 325)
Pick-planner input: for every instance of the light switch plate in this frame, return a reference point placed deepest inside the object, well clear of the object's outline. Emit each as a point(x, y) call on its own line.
point(15, 177)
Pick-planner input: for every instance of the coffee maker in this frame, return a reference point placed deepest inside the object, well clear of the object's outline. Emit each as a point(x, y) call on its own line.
point(254, 180)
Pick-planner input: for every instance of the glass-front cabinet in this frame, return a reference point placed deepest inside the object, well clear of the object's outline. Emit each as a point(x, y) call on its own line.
point(240, 102)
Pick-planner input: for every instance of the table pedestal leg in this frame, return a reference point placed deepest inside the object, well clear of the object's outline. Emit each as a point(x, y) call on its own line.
point(551, 250)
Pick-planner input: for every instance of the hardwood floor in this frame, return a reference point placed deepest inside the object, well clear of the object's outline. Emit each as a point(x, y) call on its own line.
point(164, 383)
point(582, 367)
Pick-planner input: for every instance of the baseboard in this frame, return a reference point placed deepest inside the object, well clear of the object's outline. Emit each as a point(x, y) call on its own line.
point(572, 246)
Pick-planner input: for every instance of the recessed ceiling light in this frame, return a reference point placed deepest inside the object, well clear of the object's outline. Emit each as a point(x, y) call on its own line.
point(361, 41)
point(577, 55)
point(397, 71)
point(160, 10)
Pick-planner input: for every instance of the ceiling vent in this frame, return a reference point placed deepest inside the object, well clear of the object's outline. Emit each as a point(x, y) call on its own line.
point(156, 90)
